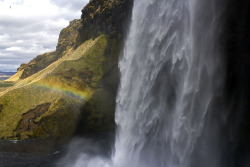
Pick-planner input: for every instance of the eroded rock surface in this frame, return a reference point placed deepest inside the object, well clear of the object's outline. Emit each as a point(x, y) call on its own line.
point(28, 123)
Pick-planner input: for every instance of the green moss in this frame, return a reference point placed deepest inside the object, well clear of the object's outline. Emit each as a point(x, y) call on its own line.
point(91, 60)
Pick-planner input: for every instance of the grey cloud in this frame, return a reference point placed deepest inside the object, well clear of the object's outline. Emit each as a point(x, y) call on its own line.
point(23, 39)
point(73, 4)
point(9, 67)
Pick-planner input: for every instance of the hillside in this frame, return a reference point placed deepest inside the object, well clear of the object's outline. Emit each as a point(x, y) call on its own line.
point(76, 82)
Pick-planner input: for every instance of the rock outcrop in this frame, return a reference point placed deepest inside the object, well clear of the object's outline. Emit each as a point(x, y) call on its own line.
point(67, 40)
point(77, 82)
point(105, 17)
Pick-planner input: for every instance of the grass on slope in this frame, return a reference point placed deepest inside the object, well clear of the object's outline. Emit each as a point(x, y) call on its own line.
point(19, 101)
point(81, 75)
point(55, 85)
point(4, 84)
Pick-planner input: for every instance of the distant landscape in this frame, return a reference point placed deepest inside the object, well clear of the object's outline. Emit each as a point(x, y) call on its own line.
point(5, 84)
point(5, 75)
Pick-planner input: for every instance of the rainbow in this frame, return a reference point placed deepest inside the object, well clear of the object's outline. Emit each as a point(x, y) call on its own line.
point(80, 95)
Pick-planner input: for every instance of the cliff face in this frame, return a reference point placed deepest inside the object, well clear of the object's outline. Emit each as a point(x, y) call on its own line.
point(77, 82)
point(111, 18)
point(98, 17)
point(105, 16)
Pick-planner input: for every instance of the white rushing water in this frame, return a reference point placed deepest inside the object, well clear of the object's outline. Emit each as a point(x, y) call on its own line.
point(170, 77)
point(170, 88)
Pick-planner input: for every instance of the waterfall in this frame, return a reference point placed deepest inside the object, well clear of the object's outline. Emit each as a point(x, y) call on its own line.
point(170, 107)
point(171, 86)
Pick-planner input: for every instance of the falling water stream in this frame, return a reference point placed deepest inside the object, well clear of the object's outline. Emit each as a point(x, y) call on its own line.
point(170, 88)
point(170, 77)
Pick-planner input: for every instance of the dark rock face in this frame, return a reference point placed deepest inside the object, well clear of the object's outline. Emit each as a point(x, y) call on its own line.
point(68, 36)
point(105, 17)
point(28, 122)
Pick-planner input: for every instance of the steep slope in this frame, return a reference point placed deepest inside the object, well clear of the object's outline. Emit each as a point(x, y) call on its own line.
point(62, 94)
point(67, 40)
point(76, 82)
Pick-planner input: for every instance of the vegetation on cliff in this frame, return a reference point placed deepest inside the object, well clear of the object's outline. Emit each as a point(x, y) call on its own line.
point(76, 82)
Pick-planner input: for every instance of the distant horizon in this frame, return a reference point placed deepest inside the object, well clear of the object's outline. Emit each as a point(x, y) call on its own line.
point(8, 71)
point(27, 30)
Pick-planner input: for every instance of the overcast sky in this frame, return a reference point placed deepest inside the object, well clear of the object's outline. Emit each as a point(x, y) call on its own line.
point(31, 27)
